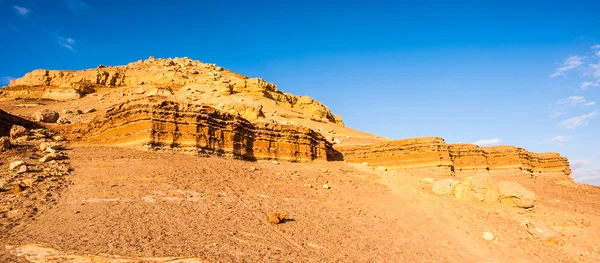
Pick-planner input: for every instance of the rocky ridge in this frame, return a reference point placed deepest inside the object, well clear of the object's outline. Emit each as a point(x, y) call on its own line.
point(432, 155)
point(168, 75)
point(163, 124)
point(187, 105)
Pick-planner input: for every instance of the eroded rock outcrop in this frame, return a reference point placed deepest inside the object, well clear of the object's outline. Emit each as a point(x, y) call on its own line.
point(433, 155)
point(171, 74)
point(193, 127)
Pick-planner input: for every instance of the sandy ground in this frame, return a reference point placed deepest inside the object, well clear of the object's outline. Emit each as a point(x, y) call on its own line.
point(145, 206)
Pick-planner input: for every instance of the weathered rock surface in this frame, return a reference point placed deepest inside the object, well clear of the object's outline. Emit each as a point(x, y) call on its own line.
point(483, 188)
point(165, 76)
point(443, 187)
point(511, 194)
point(540, 231)
point(433, 155)
point(199, 128)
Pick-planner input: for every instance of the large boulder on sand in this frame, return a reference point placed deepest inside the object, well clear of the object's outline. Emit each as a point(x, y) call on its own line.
point(510, 193)
point(46, 115)
point(473, 188)
point(443, 187)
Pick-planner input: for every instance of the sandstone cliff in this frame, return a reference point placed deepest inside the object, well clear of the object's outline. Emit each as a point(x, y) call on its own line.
point(171, 74)
point(203, 129)
point(433, 155)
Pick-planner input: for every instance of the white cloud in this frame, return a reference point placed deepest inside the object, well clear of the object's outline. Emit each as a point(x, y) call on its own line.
point(595, 47)
point(570, 63)
point(21, 10)
point(578, 121)
point(559, 139)
point(577, 164)
point(574, 101)
point(588, 176)
point(595, 70)
point(6, 80)
point(486, 142)
point(587, 84)
point(66, 43)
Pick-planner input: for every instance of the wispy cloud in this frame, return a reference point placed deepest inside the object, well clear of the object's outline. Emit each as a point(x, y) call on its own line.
point(578, 121)
point(6, 80)
point(577, 164)
point(558, 139)
point(586, 84)
point(66, 43)
point(597, 49)
point(575, 101)
point(22, 10)
point(486, 142)
point(570, 63)
point(77, 5)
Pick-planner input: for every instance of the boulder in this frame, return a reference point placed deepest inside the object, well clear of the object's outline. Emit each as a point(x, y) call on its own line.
point(18, 131)
point(443, 187)
point(46, 115)
point(473, 188)
point(4, 144)
point(511, 194)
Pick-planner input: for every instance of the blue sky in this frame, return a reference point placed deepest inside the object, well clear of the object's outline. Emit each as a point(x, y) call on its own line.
point(524, 73)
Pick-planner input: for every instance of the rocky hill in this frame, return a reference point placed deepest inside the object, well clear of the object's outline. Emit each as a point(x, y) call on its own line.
point(186, 105)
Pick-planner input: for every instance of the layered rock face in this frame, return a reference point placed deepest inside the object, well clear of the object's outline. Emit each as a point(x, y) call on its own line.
point(168, 73)
point(432, 154)
point(429, 154)
point(202, 128)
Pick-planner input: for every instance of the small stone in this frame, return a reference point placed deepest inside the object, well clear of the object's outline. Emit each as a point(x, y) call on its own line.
point(275, 218)
point(308, 185)
point(52, 156)
point(326, 186)
point(78, 111)
point(22, 169)
point(58, 138)
point(18, 131)
point(252, 169)
point(365, 164)
point(324, 170)
point(90, 110)
point(488, 236)
point(381, 169)
point(16, 164)
point(275, 162)
point(63, 120)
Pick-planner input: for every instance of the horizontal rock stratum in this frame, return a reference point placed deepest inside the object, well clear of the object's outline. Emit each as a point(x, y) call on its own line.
point(186, 105)
point(203, 129)
point(434, 155)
